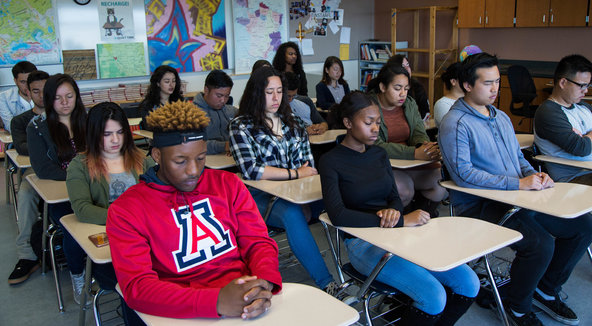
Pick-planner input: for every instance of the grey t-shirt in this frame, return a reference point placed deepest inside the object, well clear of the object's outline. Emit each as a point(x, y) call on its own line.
point(119, 183)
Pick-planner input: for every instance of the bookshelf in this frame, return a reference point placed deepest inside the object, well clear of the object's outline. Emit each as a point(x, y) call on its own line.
point(373, 55)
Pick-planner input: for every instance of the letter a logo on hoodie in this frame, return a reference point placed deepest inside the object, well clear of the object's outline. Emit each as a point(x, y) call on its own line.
point(202, 237)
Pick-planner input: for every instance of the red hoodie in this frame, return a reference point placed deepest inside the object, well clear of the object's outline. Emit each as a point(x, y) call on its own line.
point(173, 251)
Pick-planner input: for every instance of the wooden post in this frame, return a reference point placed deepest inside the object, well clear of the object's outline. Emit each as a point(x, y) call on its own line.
point(394, 31)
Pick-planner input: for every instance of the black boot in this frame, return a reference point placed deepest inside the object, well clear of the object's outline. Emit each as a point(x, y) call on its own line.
point(456, 306)
point(414, 317)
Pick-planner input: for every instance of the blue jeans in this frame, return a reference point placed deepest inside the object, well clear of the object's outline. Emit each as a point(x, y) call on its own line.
point(72, 250)
point(426, 288)
point(290, 217)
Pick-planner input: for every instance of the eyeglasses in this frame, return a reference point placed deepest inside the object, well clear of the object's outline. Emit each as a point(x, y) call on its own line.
point(582, 86)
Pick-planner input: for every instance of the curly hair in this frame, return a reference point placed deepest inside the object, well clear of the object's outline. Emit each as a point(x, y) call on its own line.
point(279, 61)
point(153, 94)
point(253, 103)
point(177, 116)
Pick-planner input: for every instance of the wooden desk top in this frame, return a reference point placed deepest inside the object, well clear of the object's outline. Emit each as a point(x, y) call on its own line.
point(134, 121)
point(441, 244)
point(299, 191)
point(21, 161)
point(219, 161)
point(143, 133)
point(407, 164)
point(51, 191)
point(297, 304)
point(525, 140)
point(5, 137)
point(565, 161)
point(566, 200)
point(328, 137)
point(80, 232)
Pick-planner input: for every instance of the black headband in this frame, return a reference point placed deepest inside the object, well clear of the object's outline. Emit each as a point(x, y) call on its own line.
point(172, 138)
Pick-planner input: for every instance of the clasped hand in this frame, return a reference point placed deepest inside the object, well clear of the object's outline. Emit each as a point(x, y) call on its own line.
point(246, 296)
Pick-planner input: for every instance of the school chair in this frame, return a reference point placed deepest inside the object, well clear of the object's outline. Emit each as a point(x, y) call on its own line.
point(523, 93)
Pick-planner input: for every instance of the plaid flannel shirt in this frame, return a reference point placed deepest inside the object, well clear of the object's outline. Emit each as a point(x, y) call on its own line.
point(253, 150)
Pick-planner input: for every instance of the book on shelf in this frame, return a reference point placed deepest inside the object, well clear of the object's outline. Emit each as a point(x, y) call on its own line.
point(373, 54)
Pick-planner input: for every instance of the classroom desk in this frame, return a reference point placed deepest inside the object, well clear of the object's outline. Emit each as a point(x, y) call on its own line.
point(52, 192)
point(407, 164)
point(80, 232)
point(565, 161)
point(525, 140)
point(20, 162)
point(299, 191)
point(6, 140)
point(550, 201)
point(134, 121)
point(328, 136)
point(439, 245)
point(296, 304)
point(219, 161)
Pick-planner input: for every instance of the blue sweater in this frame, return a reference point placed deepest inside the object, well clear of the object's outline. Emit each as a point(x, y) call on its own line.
point(480, 151)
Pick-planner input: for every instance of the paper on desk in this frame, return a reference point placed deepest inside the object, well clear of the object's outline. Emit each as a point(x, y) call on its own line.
point(345, 35)
point(307, 47)
point(334, 27)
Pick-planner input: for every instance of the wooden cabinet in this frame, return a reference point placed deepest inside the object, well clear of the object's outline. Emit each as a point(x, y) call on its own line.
point(521, 124)
point(485, 13)
point(559, 13)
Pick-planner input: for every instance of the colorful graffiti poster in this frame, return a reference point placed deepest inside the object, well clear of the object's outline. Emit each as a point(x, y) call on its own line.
point(189, 35)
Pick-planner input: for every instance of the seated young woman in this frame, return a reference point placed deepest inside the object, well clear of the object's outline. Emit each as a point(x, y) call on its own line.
point(54, 139)
point(453, 92)
point(332, 87)
point(359, 191)
point(165, 87)
point(269, 142)
point(402, 134)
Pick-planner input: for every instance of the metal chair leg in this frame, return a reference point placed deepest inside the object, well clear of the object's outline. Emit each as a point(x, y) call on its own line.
point(333, 252)
point(44, 236)
point(498, 299)
point(366, 300)
point(96, 308)
point(55, 273)
point(590, 253)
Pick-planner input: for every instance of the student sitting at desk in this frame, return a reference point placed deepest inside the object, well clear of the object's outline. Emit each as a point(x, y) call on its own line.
point(16, 100)
point(454, 92)
point(110, 165)
point(563, 123)
point(332, 87)
point(304, 108)
point(54, 139)
point(480, 150)
point(359, 191)
point(270, 143)
point(186, 241)
point(165, 87)
point(28, 199)
point(402, 134)
point(213, 102)
point(288, 58)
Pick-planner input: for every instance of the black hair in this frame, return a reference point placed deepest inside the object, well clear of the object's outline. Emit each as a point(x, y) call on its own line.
point(397, 59)
point(570, 65)
point(451, 73)
point(279, 61)
point(153, 94)
point(329, 62)
point(253, 103)
point(292, 80)
point(218, 79)
point(351, 104)
point(23, 67)
point(35, 76)
point(58, 132)
point(468, 71)
point(260, 63)
point(386, 75)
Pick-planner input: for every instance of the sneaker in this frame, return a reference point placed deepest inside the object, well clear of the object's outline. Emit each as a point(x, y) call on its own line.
point(78, 286)
point(529, 319)
point(556, 309)
point(334, 290)
point(23, 269)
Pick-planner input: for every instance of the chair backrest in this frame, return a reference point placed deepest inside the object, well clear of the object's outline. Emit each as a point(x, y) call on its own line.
point(521, 85)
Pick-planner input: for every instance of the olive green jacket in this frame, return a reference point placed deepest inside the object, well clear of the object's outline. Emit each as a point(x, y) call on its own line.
point(90, 198)
point(417, 133)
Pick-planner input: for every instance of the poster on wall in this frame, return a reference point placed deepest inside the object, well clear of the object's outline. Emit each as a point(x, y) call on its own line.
point(259, 29)
point(186, 35)
point(319, 17)
point(80, 64)
point(116, 19)
point(23, 38)
point(121, 60)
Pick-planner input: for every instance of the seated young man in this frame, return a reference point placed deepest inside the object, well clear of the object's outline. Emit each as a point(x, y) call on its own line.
point(480, 150)
point(303, 107)
point(186, 241)
point(16, 100)
point(213, 102)
point(563, 123)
